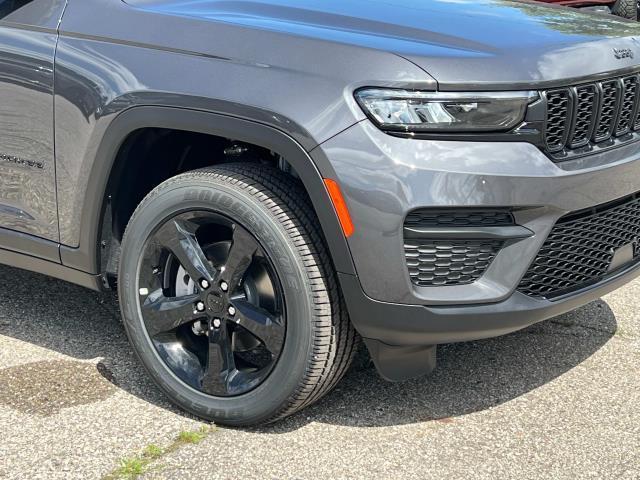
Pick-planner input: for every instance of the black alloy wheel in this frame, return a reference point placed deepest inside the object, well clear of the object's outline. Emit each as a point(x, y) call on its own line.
point(211, 303)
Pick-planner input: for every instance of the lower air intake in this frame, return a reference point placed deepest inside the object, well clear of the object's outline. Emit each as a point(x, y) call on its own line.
point(580, 249)
point(448, 262)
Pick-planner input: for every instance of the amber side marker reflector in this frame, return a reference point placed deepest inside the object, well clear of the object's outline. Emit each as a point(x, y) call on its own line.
point(340, 206)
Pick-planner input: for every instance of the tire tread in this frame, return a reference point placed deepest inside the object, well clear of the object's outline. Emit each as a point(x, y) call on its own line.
point(626, 9)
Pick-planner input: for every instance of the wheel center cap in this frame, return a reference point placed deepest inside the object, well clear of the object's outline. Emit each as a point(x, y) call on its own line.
point(215, 303)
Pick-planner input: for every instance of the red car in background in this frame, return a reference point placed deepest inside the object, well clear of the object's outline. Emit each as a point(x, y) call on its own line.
point(622, 8)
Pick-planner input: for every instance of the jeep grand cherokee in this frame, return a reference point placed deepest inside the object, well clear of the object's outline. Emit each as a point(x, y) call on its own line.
point(267, 182)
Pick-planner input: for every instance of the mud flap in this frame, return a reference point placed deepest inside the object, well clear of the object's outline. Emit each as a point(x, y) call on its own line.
point(399, 363)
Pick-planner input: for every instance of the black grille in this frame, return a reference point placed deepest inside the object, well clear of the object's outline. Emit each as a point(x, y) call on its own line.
point(580, 248)
point(448, 262)
point(557, 119)
point(628, 104)
point(429, 217)
point(585, 113)
point(608, 106)
point(599, 113)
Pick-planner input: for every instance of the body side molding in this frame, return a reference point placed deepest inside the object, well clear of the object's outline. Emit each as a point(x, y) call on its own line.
point(52, 269)
point(26, 244)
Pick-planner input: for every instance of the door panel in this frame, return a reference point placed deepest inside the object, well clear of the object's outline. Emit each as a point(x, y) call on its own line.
point(27, 170)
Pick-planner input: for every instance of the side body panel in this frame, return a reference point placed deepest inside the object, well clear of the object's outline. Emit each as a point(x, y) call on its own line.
point(110, 67)
point(85, 256)
point(27, 170)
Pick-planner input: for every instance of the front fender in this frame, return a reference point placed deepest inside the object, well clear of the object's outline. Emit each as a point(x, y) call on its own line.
point(86, 256)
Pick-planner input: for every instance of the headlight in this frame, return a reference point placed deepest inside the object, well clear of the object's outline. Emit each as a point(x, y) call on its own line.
point(416, 111)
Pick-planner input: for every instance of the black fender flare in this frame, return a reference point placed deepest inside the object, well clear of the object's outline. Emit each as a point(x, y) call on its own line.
point(86, 256)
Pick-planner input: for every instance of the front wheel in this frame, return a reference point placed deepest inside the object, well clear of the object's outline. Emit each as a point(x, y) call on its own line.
point(229, 298)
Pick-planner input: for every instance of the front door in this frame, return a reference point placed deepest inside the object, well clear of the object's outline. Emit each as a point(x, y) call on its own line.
point(28, 34)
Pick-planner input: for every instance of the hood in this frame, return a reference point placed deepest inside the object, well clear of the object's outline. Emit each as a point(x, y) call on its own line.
point(461, 43)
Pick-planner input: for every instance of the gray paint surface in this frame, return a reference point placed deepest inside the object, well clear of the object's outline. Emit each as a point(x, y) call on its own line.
point(486, 43)
point(107, 68)
point(27, 170)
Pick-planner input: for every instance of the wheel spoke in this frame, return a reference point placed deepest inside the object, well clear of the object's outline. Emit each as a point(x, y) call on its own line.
point(240, 381)
point(243, 247)
point(179, 237)
point(220, 362)
point(264, 326)
point(162, 314)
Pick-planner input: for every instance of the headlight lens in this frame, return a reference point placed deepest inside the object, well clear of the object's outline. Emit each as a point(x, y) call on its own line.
point(416, 111)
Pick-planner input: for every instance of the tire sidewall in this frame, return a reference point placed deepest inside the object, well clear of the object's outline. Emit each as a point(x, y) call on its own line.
point(221, 197)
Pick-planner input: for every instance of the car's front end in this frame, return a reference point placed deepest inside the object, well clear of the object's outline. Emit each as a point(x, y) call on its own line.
point(506, 195)
point(481, 157)
point(460, 240)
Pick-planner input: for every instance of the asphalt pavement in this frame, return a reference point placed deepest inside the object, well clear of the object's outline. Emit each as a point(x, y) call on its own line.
point(557, 400)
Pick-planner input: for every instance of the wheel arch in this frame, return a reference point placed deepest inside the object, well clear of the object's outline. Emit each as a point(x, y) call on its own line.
point(86, 257)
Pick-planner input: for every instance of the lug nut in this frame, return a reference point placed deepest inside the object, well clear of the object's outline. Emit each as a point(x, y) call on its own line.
point(200, 306)
point(224, 286)
point(204, 284)
point(232, 311)
point(216, 323)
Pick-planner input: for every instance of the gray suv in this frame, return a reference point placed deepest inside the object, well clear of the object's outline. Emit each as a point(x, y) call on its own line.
point(267, 182)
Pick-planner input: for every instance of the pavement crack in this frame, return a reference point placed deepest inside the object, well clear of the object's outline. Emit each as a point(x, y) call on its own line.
point(134, 467)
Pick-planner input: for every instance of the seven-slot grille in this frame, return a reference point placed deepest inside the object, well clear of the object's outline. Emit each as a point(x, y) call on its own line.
point(581, 247)
point(591, 114)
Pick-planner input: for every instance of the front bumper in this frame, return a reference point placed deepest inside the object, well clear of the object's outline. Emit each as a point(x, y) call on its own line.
point(383, 178)
point(407, 325)
point(402, 339)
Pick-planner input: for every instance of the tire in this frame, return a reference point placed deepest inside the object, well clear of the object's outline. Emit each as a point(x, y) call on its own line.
point(626, 9)
point(315, 340)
